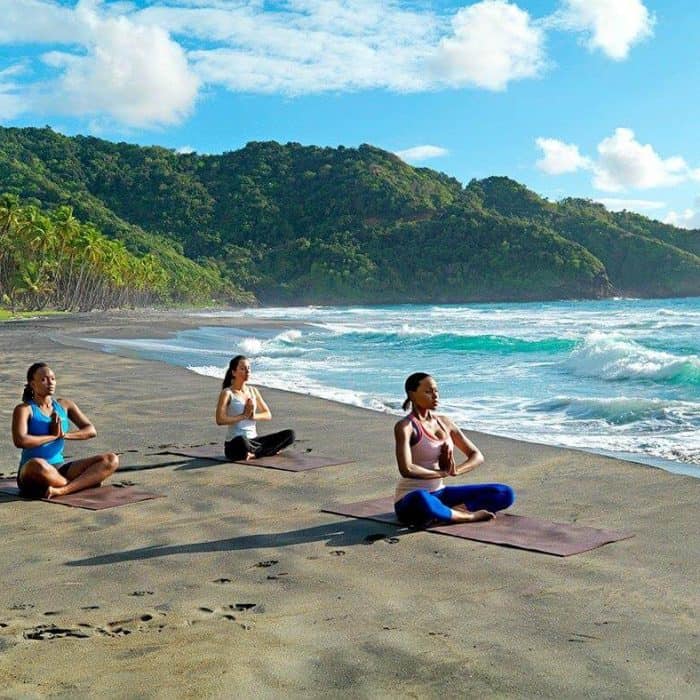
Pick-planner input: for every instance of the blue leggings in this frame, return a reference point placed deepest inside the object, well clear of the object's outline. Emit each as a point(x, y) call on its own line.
point(420, 508)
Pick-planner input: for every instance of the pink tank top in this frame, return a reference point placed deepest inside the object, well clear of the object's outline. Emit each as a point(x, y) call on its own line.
point(425, 453)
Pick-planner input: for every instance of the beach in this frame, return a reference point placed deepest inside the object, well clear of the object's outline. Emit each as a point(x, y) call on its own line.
point(236, 584)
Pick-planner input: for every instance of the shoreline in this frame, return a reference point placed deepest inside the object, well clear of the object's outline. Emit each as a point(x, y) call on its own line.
point(235, 582)
point(192, 320)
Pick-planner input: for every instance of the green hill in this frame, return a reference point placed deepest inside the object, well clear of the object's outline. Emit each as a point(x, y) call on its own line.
point(303, 224)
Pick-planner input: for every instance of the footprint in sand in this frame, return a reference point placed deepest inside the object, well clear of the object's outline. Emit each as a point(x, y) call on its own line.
point(374, 537)
point(266, 563)
point(226, 612)
point(146, 622)
point(216, 613)
point(222, 580)
point(44, 632)
point(139, 594)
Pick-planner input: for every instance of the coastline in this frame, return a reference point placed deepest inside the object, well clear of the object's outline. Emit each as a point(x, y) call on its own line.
point(426, 615)
point(681, 463)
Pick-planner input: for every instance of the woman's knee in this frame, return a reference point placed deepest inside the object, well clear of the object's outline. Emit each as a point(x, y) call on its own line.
point(237, 448)
point(111, 461)
point(505, 495)
point(37, 470)
point(417, 504)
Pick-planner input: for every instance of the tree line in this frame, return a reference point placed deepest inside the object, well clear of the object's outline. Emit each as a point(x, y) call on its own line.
point(286, 223)
point(51, 260)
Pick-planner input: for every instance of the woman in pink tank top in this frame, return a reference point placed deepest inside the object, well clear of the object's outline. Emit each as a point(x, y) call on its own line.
point(425, 456)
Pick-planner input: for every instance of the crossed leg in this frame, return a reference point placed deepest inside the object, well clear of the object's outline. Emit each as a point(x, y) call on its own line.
point(39, 478)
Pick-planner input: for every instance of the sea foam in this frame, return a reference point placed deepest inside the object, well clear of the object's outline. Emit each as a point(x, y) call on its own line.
point(615, 358)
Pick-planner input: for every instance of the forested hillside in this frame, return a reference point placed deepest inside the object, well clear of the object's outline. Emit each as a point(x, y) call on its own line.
point(52, 260)
point(296, 224)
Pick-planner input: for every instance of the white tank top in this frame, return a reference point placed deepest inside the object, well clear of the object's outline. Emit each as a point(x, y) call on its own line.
point(235, 407)
point(425, 453)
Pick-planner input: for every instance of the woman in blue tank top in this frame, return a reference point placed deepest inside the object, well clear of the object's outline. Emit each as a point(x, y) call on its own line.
point(240, 405)
point(40, 427)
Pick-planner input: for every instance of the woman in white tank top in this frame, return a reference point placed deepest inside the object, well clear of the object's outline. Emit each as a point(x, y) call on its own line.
point(425, 456)
point(240, 405)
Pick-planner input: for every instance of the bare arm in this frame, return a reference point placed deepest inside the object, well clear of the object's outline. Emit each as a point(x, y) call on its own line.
point(472, 453)
point(402, 435)
point(262, 410)
point(222, 418)
point(86, 429)
point(20, 430)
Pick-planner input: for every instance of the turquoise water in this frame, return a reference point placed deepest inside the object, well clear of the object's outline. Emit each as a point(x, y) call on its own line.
point(620, 377)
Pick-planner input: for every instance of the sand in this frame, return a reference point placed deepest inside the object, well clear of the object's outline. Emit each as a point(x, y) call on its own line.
point(236, 585)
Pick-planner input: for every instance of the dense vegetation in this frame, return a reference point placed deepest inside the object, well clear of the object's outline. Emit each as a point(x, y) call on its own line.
point(295, 224)
point(51, 260)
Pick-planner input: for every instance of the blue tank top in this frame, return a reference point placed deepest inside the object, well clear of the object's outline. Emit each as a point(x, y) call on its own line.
point(39, 424)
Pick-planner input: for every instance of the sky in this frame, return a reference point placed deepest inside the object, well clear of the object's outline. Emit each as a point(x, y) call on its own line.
point(573, 98)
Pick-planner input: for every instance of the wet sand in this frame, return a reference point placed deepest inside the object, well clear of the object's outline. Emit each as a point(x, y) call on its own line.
point(236, 584)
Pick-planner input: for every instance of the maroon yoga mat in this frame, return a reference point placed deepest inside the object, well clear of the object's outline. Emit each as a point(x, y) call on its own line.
point(97, 498)
point(560, 539)
point(289, 460)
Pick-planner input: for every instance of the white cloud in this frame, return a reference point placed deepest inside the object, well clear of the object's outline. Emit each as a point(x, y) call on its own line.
point(560, 157)
point(623, 162)
point(638, 205)
point(688, 218)
point(38, 21)
point(307, 46)
point(420, 153)
point(184, 150)
point(493, 42)
point(611, 26)
point(10, 101)
point(122, 71)
point(143, 64)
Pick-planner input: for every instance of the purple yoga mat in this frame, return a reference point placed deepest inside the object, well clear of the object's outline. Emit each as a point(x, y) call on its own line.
point(289, 460)
point(97, 498)
point(560, 539)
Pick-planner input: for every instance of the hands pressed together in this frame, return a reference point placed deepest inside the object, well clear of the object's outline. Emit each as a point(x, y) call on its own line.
point(447, 463)
point(56, 426)
point(249, 409)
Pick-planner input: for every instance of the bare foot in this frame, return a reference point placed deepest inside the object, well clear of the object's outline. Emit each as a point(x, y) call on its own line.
point(250, 456)
point(53, 491)
point(466, 516)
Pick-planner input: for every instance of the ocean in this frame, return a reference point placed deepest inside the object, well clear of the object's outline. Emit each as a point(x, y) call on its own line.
point(619, 377)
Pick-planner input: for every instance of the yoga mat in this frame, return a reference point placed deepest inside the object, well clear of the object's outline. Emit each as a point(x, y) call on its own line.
point(560, 539)
point(290, 461)
point(97, 498)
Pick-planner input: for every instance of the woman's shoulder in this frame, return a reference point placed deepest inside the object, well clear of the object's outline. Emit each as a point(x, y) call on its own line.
point(404, 423)
point(445, 421)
